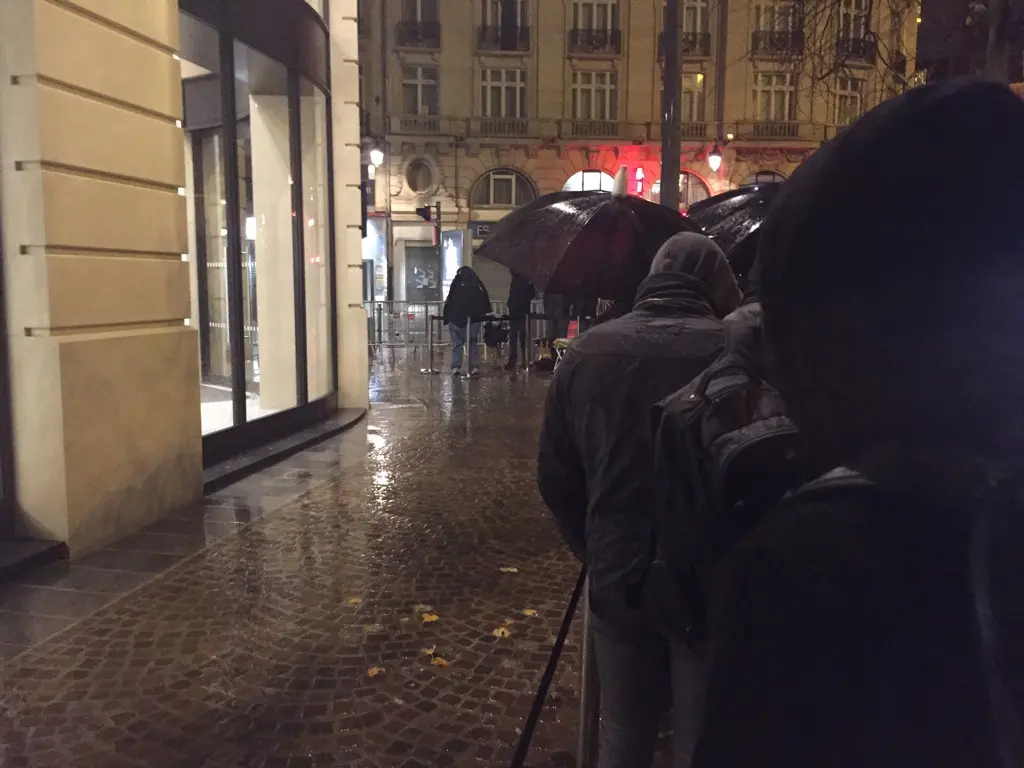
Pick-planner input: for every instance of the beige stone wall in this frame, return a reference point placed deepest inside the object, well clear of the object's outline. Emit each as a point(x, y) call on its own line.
point(104, 369)
point(352, 348)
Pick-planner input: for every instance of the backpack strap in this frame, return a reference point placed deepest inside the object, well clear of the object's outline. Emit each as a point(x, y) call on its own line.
point(839, 479)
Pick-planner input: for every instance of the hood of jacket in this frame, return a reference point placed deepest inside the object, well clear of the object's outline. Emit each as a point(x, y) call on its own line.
point(699, 258)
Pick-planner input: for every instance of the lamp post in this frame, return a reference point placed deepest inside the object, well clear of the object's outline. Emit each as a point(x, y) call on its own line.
point(672, 86)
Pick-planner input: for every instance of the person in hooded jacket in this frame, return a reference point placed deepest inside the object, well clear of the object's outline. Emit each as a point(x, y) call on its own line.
point(467, 304)
point(874, 619)
point(595, 463)
point(520, 297)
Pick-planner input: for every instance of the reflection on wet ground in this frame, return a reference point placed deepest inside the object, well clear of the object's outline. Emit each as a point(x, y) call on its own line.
point(336, 610)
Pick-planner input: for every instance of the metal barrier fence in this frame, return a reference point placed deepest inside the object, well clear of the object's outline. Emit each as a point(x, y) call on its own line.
point(404, 324)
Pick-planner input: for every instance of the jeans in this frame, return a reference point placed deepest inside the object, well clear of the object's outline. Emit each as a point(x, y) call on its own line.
point(633, 672)
point(516, 338)
point(458, 337)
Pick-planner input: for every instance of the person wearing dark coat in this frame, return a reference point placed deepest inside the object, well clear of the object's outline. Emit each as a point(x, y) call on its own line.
point(556, 313)
point(595, 464)
point(520, 297)
point(467, 304)
point(878, 624)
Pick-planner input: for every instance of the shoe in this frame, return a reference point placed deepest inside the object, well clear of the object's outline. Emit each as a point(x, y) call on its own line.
point(475, 373)
point(456, 372)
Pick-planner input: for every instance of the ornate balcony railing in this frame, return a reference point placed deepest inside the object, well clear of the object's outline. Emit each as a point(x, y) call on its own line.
point(418, 34)
point(595, 41)
point(856, 49)
point(495, 39)
point(692, 45)
point(772, 43)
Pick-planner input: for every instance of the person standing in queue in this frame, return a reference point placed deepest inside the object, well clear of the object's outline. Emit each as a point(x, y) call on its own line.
point(467, 305)
point(595, 468)
point(520, 297)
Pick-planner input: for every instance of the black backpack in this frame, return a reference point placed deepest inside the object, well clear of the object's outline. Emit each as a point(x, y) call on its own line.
point(725, 453)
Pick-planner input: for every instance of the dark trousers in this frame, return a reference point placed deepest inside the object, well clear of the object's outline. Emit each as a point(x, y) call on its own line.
point(516, 338)
point(633, 671)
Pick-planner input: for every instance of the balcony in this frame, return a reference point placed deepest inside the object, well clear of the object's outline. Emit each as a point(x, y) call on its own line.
point(781, 44)
point(693, 131)
point(856, 50)
point(416, 125)
point(692, 45)
point(424, 35)
point(497, 39)
point(500, 126)
point(597, 42)
point(779, 130)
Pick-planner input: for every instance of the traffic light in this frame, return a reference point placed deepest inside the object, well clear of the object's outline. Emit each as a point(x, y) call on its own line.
point(437, 224)
point(423, 213)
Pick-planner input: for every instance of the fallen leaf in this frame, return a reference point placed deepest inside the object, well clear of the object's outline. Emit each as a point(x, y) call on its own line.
point(429, 651)
point(509, 569)
point(423, 608)
point(529, 612)
point(502, 632)
point(437, 661)
point(373, 628)
point(430, 618)
point(507, 623)
point(355, 601)
point(374, 671)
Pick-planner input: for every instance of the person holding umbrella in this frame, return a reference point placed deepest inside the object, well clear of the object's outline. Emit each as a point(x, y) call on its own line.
point(520, 296)
point(467, 304)
point(595, 469)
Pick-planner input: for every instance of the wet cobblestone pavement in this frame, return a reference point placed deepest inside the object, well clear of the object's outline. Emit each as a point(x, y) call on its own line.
point(359, 620)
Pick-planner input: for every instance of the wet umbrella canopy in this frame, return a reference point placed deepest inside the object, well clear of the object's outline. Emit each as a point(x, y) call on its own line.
point(732, 220)
point(584, 243)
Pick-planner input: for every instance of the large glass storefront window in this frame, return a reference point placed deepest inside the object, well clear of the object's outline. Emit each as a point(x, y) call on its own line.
point(313, 118)
point(265, 216)
point(260, 246)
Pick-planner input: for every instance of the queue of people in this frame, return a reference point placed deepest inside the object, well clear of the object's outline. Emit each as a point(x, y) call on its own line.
point(872, 616)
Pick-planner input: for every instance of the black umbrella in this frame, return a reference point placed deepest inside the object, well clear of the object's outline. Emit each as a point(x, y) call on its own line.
point(584, 243)
point(732, 220)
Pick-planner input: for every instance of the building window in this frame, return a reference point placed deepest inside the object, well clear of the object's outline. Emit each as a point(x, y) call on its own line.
point(691, 106)
point(849, 100)
point(594, 96)
point(691, 190)
point(595, 14)
point(420, 10)
point(502, 188)
point(589, 181)
point(774, 96)
point(420, 93)
point(693, 15)
point(764, 177)
point(503, 93)
point(493, 12)
point(777, 17)
point(853, 19)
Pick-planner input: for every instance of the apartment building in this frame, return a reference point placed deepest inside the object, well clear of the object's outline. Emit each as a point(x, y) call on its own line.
point(481, 105)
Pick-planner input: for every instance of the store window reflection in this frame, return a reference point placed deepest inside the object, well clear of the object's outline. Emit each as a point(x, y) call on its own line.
point(264, 193)
point(207, 217)
point(313, 119)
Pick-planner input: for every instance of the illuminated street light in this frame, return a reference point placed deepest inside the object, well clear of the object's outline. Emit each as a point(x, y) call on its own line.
point(376, 157)
point(715, 158)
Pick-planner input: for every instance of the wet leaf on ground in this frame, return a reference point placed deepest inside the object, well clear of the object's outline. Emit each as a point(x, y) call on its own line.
point(423, 608)
point(430, 618)
point(375, 671)
point(439, 661)
point(428, 651)
point(502, 632)
point(529, 612)
point(353, 601)
point(510, 569)
point(374, 628)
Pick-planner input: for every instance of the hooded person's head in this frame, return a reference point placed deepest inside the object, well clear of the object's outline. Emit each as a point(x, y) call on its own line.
point(893, 285)
point(700, 258)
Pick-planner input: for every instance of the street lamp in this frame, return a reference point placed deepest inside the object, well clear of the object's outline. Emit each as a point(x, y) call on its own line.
point(376, 157)
point(715, 158)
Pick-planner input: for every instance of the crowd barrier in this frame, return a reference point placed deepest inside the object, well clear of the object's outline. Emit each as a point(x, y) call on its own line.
point(407, 324)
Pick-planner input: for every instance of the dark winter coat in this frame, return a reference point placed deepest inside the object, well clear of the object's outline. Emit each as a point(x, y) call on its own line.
point(595, 462)
point(467, 298)
point(520, 296)
point(847, 634)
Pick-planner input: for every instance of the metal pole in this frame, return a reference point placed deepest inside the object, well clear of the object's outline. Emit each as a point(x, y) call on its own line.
point(672, 85)
point(430, 343)
point(590, 693)
point(720, 71)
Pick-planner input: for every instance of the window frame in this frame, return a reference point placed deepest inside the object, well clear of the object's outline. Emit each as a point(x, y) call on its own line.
point(773, 90)
point(611, 15)
point(848, 94)
point(420, 82)
point(606, 91)
point(504, 85)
